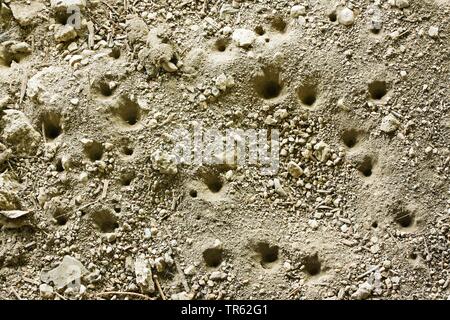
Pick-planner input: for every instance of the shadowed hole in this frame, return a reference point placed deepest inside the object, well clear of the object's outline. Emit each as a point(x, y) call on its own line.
point(128, 111)
point(403, 217)
point(312, 264)
point(350, 137)
point(51, 125)
point(115, 53)
point(307, 94)
point(94, 151)
point(8, 59)
point(221, 44)
point(105, 220)
point(174, 60)
point(279, 24)
point(127, 151)
point(377, 89)
point(61, 220)
point(61, 17)
point(375, 224)
point(127, 178)
point(332, 16)
point(268, 85)
point(213, 257)
point(375, 31)
point(105, 89)
point(61, 216)
point(213, 181)
point(259, 30)
point(193, 193)
point(366, 166)
point(413, 256)
point(58, 165)
point(268, 254)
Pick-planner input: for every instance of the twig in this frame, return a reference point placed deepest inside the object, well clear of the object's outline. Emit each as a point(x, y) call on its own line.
point(23, 87)
point(294, 292)
point(426, 247)
point(105, 188)
point(367, 272)
point(180, 271)
point(158, 285)
point(111, 8)
point(183, 278)
point(212, 231)
point(403, 33)
point(86, 205)
point(43, 133)
point(32, 281)
point(16, 294)
point(90, 27)
point(60, 296)
point(133, 294)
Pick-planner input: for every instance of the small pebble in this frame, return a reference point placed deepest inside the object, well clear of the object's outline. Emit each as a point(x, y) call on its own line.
point(433, 32)
point(346, 17)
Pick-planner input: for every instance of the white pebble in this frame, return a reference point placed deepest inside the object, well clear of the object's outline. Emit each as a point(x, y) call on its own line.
point(298, 10)
point(402, 3)
point(433, 32)
point(346, 17)
point(243, 37)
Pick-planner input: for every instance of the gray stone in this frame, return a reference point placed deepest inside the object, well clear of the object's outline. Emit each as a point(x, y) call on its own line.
point(65, 33)
point(144, 276)
point(20, 47)
point(67, 4)
point(363, 291)
point(189, 270)
point(18, 131)
point(389, 124)
point(218, 275)
point(402, 4)
point(294, 169)
point(243, 37)
point(27, 14)
point(70, 270)
point(46, 291)
point(375, 24)
point(110, 237)
point(182, 296)
point(278, 188)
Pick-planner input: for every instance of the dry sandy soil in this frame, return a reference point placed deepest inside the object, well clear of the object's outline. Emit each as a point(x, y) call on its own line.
point(92, 206)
